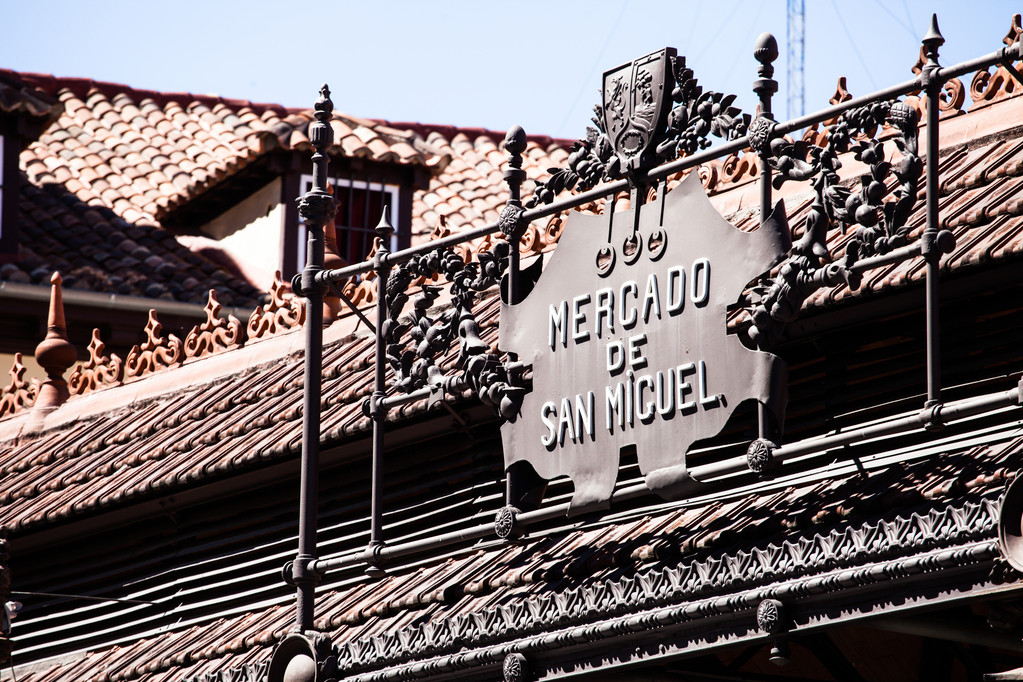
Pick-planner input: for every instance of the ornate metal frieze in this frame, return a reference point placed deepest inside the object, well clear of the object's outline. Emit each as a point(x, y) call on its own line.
point(652, 110)
point(251, 672)
point(800, 567)
point(418, 341)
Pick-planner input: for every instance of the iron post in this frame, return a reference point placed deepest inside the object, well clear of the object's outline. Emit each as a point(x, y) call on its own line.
point(378, 411)
point(316, 208)
point(766, 52)
point(514, 144)
point(932, 84)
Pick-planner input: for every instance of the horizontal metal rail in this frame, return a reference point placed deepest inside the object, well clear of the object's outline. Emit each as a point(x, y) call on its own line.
point(935, 416)
point(1012, 52)
point(928, 418)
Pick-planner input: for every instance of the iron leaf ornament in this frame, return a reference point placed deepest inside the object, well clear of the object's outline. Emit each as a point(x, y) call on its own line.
point(416, 341)
point(652, 111)
point(880, 216)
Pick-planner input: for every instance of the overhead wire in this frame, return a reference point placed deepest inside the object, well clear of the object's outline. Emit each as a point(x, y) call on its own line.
point(746, 40)
point(900, 22)
point(909, 15)
point(585, 84)
point(856, 50)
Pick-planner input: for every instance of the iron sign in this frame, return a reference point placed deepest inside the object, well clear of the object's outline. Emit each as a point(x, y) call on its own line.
point(628, 343)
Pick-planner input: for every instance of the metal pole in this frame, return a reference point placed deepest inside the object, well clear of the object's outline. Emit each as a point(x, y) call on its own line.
point(316, 208)
point(928, 246)
point(765, 52)
point(514, 144)
point(378, 411)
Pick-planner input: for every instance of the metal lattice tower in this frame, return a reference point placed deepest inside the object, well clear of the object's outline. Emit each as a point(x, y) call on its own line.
point(795, 62)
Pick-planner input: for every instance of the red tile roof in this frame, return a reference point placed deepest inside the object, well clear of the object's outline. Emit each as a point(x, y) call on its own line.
point(685, 557)
point(19, 98)
point(119, 160)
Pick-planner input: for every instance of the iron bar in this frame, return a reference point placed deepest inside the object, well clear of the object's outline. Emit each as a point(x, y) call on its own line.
point(765, 52)
point(514, 144)
point(893, 256)
point(377, 409)
point(928, 243)
point(405, 398)
point(934, 414)
point(961, 409)
point(351, 306)
point(1010, 52)
point(892, 92)
point(316, 208)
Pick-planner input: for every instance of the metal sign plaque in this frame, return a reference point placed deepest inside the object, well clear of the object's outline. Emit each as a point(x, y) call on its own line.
point(626, 334)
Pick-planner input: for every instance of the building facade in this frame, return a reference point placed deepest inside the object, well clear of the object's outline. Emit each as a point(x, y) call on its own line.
point(757, 417)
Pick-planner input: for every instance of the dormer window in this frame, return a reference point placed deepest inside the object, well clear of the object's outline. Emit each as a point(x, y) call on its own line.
point(362, 203)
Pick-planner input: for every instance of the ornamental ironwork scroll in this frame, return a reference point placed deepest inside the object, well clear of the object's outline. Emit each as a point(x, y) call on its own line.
point(417, 341)
point(879, 217)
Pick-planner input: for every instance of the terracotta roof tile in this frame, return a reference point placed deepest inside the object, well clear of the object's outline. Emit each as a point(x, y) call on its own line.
point(495, 576)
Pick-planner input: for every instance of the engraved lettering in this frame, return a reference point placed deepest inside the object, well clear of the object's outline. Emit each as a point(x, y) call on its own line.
point(604, 313)
point(579, 317)
point(557, 329)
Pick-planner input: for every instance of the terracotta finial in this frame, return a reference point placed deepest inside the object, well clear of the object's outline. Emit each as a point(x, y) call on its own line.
point(55, 353)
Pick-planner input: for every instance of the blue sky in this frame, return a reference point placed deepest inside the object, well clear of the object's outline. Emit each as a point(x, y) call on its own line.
point(488, 64)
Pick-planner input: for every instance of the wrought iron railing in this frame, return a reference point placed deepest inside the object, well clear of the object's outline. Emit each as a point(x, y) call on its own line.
point(678, 142)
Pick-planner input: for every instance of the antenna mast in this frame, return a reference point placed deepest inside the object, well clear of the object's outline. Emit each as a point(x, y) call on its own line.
point(795, 62)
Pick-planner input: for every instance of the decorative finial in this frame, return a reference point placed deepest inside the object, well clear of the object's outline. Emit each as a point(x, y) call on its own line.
point(933, 40)
point(934, 34)
point(55, 353)
point(515, 140)
point(384, 228)
point(321, 135)
point(766, 52)
point(515, 144)
point(324, 105)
